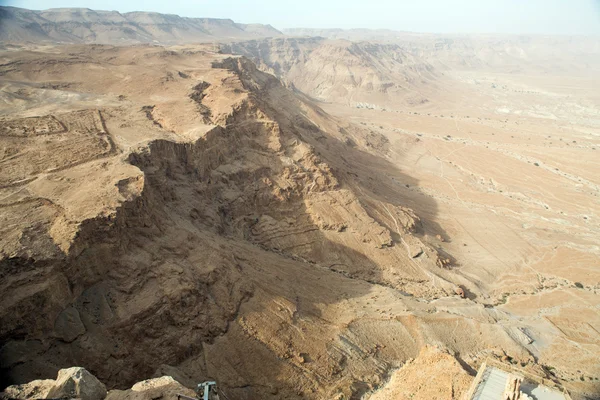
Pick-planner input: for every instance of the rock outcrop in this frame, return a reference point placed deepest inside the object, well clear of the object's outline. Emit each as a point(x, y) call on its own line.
point(71, 383)
point(433, 374)
point(164, 387)
point(37, 389)
point(78, 383)
point(261, 244)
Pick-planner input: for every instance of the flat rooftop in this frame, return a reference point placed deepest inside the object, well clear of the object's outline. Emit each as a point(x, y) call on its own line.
point(491, 381)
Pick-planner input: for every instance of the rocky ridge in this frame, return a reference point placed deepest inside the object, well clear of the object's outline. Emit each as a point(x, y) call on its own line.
point(82, 25)
point(245, 235)
point(342, 70)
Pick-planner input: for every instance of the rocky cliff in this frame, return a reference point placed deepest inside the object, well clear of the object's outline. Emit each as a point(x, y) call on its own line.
point(341, 70)
point(187, 214)
point(82, 25)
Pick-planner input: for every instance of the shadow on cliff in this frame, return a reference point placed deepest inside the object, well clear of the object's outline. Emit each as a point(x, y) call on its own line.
point(264, 369)
point(163, 280)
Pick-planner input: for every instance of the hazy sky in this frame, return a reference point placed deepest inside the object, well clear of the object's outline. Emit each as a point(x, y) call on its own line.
point(493, 16)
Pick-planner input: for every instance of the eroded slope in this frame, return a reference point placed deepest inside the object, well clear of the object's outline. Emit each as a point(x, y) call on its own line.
point(234, 231)
point(359, 74)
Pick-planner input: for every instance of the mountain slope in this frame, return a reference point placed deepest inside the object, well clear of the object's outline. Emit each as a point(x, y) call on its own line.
point(340, 70)
point(506, 53)
point(82, 25)
point(177, 209)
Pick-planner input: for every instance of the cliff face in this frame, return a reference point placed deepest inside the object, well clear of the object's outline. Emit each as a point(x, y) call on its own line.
point(390, 71)
point(82, 25)
point(502, 52)
point(342, 71)
point(221, 227)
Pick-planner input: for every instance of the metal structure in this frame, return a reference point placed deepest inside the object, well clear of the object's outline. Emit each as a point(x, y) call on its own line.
point(205, 389)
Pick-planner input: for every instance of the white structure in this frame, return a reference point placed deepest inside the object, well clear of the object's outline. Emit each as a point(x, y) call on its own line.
point(497, 381)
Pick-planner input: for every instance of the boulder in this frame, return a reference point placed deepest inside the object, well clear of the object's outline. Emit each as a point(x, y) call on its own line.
point(77, 382)
point(154, 383)
point(460, 291)
point(175, 373)
point(164, 387)
point(33, 390)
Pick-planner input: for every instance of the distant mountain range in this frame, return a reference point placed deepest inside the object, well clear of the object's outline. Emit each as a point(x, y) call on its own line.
point(370, 60)
point(82, 25)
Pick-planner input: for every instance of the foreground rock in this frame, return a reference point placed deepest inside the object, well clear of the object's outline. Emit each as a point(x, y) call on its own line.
point(78, 383)
point(433, 374)
point(75, 382)
point(37, 389)
point(164, 387)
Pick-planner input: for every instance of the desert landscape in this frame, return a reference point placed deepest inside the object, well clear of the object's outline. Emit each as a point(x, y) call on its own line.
point(321, 214)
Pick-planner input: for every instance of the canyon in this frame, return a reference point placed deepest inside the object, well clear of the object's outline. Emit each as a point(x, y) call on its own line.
point(326, 215)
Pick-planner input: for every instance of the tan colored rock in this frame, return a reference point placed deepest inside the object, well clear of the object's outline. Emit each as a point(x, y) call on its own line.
point(77, 382)
point(175, 373)
point(154, 383)
point(37, 389)
point(434, 374)
point(164, 387)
